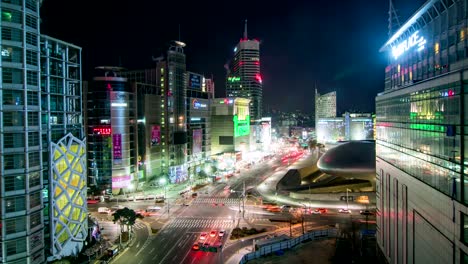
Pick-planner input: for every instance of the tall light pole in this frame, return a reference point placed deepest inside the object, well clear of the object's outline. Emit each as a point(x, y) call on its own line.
point(347, 203)
point(163, 182)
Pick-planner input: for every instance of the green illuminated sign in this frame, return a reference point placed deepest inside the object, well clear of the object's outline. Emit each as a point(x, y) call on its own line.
point(234, 79)
point(428, 127)
point(241, 127)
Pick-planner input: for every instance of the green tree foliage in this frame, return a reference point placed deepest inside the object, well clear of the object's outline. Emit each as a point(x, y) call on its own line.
point(125, 217)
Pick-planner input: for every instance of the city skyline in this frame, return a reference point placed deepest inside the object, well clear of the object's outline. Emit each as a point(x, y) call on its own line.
point(302, 44)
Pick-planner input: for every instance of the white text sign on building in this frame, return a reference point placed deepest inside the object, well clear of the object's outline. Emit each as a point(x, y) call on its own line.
point(413, 40)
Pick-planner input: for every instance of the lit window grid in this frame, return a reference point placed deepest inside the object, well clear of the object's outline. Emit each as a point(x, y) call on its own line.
point(411, 134)
point(68, 187)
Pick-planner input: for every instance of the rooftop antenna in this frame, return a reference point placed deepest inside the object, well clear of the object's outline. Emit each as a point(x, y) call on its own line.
point(392, 17)
point(245, 30)
point(179, 32)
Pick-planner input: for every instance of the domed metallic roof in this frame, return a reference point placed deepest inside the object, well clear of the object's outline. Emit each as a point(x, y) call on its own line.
point(353, 159)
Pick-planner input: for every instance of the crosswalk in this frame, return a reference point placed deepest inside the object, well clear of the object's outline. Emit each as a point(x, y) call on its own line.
point(201, 223)
point(216, 200)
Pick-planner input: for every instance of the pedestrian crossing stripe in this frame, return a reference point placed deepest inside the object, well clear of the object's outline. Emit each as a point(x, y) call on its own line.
point(202, 223)
point(214, 200)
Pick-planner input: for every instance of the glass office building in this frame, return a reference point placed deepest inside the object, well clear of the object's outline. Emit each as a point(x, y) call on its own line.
point(42, 155)
point(243, 74)
point(421, 117)
point(112, 132)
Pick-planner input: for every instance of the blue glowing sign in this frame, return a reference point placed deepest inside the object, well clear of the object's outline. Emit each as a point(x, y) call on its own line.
point(413, 40)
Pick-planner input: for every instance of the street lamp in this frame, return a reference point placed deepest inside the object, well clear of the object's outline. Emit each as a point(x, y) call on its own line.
point(347, 203)
point(162, 181)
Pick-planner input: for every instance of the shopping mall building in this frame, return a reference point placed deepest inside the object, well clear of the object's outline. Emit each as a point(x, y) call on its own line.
point(421, 165)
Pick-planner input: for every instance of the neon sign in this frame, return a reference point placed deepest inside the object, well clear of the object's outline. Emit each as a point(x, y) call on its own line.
point(226, 101)
point(197, 105)
point(234, 79)
point(413, 40)
point(102, 130)
point(241, 127)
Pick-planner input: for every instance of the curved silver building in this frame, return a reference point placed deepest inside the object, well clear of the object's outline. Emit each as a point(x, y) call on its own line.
point(353, 159)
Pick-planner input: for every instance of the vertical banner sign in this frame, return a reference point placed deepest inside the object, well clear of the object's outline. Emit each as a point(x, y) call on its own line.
point(155, 135)
point(197, 141)
point(117, 143)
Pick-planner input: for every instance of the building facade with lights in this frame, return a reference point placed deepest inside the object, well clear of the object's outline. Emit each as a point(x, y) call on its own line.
point(198, 128)
point(421, 151)
point(149, 85)
point(325, 105)
point(260, 135)
point(42, 151)
point(244, 78)
point(351, 126)
point(111, 132)
point(230, 125)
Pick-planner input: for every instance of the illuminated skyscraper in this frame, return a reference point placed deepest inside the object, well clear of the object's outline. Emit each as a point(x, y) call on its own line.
point(42, 155)
point(243, 74)
point(325, 106)
point(422, 157)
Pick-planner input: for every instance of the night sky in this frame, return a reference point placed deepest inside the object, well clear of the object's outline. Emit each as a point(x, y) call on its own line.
point(332, 43)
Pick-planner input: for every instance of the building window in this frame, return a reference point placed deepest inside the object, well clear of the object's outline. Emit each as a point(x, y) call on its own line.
point(31, 58)
point(464, 231)
point(33, 120)
point(15, 204)
point(14, 161)
point(12, 34)
point(15, 225)
point(34, 159)
point(12, 76)
point(35, 199)
point(34, 179)
point(14, 183)
point(13, 97)
point(13, 140)
point(436, 48)
point(31, 4)
point(31, 39)
point(32, 78)
point(464, 257)
point(31, 21)
point(16, 246)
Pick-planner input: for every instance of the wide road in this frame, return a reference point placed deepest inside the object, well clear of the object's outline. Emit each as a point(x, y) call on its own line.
point(216, 210)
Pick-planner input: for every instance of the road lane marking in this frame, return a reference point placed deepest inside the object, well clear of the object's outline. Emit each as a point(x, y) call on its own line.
point(171, 250)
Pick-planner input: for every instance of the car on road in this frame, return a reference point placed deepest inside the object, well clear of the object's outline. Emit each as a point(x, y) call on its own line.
point(320, 211)
point(213, 233)
point(196, 247)
point(104, 210)
point(203, 236)
point(366, 212)
point(117, 207)
point(221, 233)
point(92, 201)
point(344, 211)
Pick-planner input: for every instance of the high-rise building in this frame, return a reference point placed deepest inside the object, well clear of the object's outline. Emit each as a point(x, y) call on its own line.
point(421, 163)
point(243, 74)
point(112, 132)
point(198, 124)
point(151, 106)
point(42, 149)
point(325, 105)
